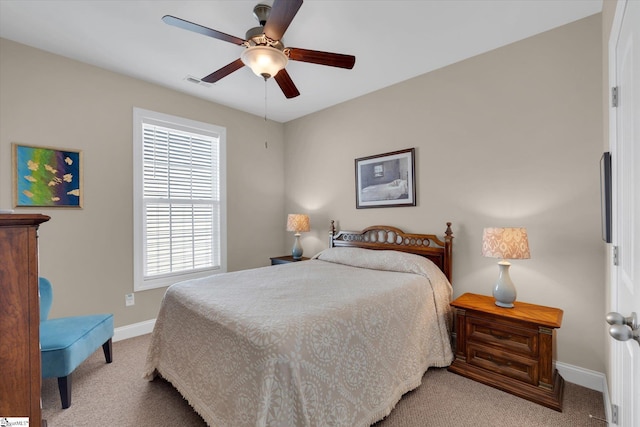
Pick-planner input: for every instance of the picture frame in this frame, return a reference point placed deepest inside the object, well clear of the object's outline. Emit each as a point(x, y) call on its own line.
point(386, 180)
point(47, 176)
point(605, 195)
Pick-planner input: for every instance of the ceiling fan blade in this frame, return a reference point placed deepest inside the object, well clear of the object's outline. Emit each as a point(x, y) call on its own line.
point(286, 84)
point(281, 15)
point(196, 28)
point(224, 71)
point(322, 58)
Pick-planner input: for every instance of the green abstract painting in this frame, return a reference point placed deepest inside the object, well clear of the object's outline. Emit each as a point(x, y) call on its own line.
point(45, 176)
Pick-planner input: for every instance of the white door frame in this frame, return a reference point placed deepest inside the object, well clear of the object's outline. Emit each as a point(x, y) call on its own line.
point(617, 378)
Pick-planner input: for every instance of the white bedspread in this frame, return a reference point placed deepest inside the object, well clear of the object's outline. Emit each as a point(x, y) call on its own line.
point(390, 191)
point(313, 343)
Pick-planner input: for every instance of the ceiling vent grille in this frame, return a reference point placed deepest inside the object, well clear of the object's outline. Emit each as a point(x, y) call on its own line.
point(197, 81)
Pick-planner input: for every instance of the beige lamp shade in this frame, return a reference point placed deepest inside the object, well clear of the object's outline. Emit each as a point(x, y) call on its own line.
point(298, 223)
point(505, 243)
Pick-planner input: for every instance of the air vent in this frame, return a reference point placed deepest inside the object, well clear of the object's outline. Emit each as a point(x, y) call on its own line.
point(197, 81)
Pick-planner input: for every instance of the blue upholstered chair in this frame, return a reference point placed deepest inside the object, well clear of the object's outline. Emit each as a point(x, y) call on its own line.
point(66, 342)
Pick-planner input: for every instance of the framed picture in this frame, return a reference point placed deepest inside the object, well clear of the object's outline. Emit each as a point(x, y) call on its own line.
point(47, 177)
point(605, 195)
point(386, 180)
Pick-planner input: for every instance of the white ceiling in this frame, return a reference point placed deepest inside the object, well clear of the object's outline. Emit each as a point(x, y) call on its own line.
point(391, 40)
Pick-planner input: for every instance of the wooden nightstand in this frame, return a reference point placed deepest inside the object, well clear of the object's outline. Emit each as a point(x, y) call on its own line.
point(285, 259)
point(508, 348)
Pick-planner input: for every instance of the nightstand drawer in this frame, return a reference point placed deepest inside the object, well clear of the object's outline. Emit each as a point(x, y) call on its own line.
point(503, 335)
point(510, 365)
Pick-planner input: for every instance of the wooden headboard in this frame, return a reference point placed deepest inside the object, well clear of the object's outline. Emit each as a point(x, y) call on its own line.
point(391, 238)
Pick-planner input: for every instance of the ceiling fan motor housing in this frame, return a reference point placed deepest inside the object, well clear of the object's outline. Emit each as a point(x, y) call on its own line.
point(261, 13)
point(256, 37)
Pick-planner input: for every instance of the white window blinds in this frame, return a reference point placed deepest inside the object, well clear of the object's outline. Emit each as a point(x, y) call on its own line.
point(180, 201)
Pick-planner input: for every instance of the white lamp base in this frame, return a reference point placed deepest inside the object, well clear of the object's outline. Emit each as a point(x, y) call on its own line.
point(297, 247)
point(504, 290)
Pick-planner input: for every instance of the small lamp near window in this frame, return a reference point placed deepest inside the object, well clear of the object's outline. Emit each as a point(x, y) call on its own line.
point(298, 223)
point(505, 243)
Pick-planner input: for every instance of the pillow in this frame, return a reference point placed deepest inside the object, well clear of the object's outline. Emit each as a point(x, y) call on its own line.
point(386, 260)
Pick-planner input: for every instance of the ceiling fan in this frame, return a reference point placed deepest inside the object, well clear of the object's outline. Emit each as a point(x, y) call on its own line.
point(264, 51)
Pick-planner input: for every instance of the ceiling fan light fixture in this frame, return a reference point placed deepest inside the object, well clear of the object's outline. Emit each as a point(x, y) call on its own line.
point(264, 61)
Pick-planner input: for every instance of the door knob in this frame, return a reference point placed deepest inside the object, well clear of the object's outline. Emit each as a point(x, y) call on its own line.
point(614, 318)
point(623, 328)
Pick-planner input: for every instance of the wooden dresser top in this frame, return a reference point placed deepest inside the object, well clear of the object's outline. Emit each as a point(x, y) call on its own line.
point(11, 220)
point(522, 311)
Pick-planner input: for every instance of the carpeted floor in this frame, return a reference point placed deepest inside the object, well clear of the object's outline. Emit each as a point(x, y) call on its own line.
point(116, 395)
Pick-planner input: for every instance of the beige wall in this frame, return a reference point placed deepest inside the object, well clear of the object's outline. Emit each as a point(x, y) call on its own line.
point(508, 138)
point(53, 101)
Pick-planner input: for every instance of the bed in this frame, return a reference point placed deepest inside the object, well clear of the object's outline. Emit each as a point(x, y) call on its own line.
point(390, 191)
point(333, 341)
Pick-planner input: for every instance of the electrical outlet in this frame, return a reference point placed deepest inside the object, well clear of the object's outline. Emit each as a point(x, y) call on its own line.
point(129, 300)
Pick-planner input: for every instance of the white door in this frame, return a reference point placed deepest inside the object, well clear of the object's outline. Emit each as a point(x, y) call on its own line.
point(624, 48)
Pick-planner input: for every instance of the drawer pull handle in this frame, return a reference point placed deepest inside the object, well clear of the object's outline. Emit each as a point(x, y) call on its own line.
point(500, 336)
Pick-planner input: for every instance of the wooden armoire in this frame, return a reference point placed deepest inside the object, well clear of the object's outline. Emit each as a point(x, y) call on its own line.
point(21, 380)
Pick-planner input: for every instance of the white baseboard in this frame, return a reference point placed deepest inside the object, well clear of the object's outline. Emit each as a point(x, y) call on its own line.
point(583, 377)
point(134, 330)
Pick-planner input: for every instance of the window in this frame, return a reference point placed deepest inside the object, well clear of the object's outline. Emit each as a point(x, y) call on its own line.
point(179, 199)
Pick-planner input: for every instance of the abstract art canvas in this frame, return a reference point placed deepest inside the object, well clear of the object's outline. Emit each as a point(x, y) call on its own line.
point(47, 177)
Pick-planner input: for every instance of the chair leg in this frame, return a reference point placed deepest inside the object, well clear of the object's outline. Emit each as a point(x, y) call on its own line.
point(64, 385)
point(106, 347)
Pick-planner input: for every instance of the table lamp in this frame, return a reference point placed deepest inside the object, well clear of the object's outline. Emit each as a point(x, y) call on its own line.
point(297, 223)
point(505, 243)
